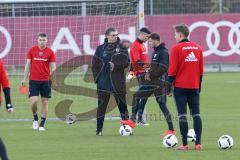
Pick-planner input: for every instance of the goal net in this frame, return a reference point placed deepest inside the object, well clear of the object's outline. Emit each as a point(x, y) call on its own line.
point(74, 29)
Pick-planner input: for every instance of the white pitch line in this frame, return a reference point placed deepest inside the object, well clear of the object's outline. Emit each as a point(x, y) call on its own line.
point(48, 119)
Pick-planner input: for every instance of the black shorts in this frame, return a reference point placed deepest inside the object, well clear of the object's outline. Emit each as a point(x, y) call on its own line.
point(42, 87)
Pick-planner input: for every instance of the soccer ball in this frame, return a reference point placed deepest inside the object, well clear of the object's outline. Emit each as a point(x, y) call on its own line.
point(191, 136)
point(70, 118)
point(225, 142)
point(125, 130)
point(170, 141)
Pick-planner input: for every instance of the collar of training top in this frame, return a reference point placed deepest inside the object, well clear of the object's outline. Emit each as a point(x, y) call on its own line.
point(160, 46)
point(184, 40)
point(139, 40)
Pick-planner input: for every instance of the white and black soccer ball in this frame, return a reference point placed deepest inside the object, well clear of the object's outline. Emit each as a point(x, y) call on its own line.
point(170, 141)
point(191, 135)
point(70, 118)
point(125, 130)
point(225, 142)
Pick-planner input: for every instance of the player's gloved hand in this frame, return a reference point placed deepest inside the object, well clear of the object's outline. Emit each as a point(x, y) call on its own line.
point(9, 108)
point(7, 94)
point(130, 76)
point(52, 84)
point(200, 87)
point(147, 77)
point(111, 66)
point(23, 82)
point(168, 88)
point(147, 66)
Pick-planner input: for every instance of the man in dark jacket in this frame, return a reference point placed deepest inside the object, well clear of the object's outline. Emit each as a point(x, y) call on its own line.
point(108, 65)
point(153, 83)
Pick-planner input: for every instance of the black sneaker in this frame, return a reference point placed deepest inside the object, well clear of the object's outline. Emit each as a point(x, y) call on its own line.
point(99, 133)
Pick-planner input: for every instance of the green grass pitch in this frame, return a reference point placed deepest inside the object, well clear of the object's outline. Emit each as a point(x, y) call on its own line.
point(220, 110)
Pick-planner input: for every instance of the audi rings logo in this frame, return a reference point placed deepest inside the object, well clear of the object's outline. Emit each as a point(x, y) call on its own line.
point(8, 42)
point(213, 47)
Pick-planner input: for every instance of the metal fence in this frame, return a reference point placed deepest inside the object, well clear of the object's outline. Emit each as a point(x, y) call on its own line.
point(71, 7)
point(155, 7)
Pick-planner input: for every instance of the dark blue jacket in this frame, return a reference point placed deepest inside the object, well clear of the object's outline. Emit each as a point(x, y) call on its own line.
point(106, 80)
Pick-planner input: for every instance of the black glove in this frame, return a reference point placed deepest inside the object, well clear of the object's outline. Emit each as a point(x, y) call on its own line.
point(167, 86)
point(7, 98)
point(200, 84)
point(50, 83)
point(9, 106)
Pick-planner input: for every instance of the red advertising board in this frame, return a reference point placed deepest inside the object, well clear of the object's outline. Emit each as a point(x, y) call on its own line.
point(218, 35)
point(71, 36)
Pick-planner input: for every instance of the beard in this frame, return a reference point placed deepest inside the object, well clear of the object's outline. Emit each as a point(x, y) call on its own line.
point(42, 44)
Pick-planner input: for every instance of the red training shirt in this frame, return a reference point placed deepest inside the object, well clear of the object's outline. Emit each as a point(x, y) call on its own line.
point(40, 60)
point(138, 52)
point(4, 82)
point(186, 64)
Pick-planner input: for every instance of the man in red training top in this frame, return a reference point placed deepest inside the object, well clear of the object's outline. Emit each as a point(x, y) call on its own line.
point(139, 66)
point(41, 63)
point(5, 86)
point(185, 73)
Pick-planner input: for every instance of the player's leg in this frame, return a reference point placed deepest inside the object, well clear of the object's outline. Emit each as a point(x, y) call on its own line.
point(180, 97)
point(141, 107)
point(45, 91)
point(139, 96)
point(162, 102)
point(103, 99)
point(3, 151)
point(44, 112)
point(144, 93)
point(161, 98)
point(34, 89)
point(135, 104)
point(193, 103)
point(34, 102)
point(136, 99)
point(122, 105)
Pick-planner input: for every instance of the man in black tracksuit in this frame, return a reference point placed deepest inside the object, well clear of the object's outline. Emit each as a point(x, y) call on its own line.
point(153, 81)
point(108, 66)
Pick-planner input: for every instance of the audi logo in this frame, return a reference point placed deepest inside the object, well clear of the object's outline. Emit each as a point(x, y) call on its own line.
point(213, 46)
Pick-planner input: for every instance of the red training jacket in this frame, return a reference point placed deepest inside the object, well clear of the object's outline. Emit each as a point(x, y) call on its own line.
point(186, 64)
point(138, 52)
point(4, 82)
